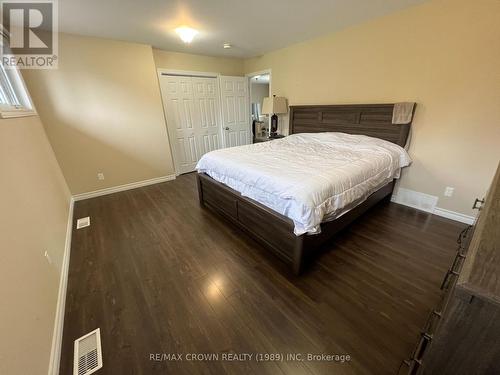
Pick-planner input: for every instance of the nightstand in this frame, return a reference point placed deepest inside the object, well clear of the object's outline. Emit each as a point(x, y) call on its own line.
point(266, 139)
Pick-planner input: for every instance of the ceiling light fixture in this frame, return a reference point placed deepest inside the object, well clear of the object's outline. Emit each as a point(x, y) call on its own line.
point(227, 45)
point(186, 33)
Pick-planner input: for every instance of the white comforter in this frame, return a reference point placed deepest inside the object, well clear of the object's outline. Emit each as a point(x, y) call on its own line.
point(308, 177)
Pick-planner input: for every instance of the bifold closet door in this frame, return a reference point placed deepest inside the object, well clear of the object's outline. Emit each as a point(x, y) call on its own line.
point(207, 114)
point(193, 121)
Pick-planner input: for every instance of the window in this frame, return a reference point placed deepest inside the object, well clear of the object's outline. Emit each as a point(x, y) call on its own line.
point(14, 97)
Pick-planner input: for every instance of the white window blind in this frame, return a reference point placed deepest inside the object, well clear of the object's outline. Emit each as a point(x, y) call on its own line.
point(7, 92)
point(14, 98)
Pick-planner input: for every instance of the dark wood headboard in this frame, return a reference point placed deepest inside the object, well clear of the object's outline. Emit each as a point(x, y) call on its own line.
point(374, 120)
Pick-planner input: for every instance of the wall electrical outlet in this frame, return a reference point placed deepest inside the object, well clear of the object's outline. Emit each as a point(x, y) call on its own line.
point(100, 176)
point(448, 192)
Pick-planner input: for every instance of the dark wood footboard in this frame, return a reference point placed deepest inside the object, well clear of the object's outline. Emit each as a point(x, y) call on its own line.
point(272, 229)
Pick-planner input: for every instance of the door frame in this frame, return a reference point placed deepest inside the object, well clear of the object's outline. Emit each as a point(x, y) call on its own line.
point(249, 76)
point(187, 73)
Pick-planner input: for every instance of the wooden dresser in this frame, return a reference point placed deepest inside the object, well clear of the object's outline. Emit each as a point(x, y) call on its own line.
point(462, 334)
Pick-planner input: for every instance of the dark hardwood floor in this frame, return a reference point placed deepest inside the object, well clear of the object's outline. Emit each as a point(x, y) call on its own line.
point(159, 274)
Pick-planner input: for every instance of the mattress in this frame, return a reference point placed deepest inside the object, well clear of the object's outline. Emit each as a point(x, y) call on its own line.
point(308, 178)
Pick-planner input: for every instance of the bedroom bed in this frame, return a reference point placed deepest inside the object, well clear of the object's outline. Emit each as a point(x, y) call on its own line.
point(294, 194)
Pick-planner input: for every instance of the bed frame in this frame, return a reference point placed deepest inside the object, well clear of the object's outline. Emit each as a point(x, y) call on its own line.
point(274, 230)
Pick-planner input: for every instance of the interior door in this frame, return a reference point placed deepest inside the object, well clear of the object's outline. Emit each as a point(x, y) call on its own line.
point(235, 113)
point(178, 101)
point(206, 98)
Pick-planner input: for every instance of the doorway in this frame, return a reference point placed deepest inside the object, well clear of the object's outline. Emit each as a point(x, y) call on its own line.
point(260, 88)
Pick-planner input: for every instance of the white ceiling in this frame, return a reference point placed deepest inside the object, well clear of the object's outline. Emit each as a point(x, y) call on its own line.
point(253, 27)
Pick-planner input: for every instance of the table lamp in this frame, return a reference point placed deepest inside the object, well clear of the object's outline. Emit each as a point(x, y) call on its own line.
point(273, 106)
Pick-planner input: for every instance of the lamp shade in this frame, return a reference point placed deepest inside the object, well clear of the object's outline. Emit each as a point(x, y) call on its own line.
point(276, 104)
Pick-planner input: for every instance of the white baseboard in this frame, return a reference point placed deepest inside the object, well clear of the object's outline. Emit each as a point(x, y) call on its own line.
point(415, 199)
point(55, 353)
point(457, 216)
point(427, 203)
point(116, 189)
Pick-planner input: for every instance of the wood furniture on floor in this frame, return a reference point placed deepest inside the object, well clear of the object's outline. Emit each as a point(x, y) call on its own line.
point(267, 139)
point(274, 230)
point(463, 331)
point(157, 273)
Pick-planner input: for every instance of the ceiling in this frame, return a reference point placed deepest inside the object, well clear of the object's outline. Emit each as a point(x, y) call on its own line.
point(253, 27)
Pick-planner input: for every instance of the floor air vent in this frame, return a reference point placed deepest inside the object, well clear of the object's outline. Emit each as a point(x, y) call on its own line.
point(88, 354)
point(83, 222)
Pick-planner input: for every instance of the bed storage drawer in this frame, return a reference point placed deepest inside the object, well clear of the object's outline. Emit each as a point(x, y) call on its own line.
point(273, 230)
point(275, 233)
point(220, 199)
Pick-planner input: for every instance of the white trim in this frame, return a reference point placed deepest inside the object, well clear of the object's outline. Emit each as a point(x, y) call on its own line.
point(188, 73)
point(116, 189)
point(22, 112)
point(427, 203)
point(164, 111)
point(55, 353)
point(415, 199)
point(457, 216)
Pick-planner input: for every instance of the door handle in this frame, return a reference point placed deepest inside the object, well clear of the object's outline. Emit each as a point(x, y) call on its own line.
point(226, 128)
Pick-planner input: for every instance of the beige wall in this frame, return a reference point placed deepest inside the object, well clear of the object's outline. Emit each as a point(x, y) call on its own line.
point(198, 63)
point(34, 203)
point(102, 111)
point(102, 107)
point(444, 55)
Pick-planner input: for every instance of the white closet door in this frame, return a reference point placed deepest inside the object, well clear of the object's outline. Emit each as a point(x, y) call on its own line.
point(191, 106)
point(235, 111)
point(179, 106)
point(206, 98)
